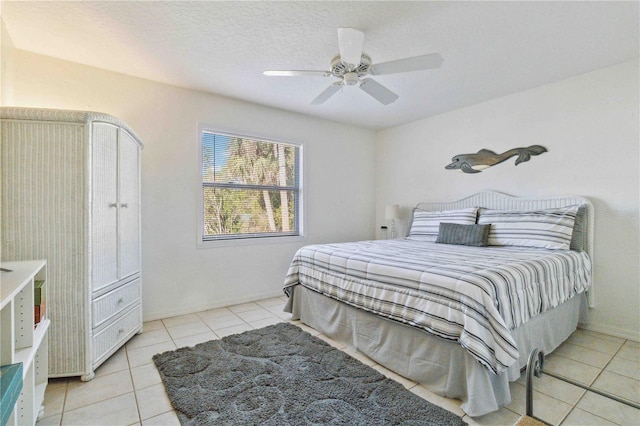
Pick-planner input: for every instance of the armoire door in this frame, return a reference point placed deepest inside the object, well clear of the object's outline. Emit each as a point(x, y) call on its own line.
point(129, 205)
point(104, 205)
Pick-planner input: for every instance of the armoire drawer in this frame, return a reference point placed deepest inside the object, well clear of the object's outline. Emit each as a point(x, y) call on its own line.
point(113, 335)
point(113, 303)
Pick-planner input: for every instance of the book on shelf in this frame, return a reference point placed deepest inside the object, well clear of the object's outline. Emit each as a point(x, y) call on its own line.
point(39, 301)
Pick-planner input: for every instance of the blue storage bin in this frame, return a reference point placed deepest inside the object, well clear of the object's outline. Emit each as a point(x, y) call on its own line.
point(10, 388)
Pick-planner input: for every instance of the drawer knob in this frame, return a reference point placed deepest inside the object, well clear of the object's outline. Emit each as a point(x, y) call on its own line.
point(124, 205)
point(121, 331)
point(120, 300)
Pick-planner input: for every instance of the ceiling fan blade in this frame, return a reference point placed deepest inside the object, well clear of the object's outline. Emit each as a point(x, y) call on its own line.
point(327, 93)
point(378, 91)
point(296, 73)
point(350, 42)
point(415, 63)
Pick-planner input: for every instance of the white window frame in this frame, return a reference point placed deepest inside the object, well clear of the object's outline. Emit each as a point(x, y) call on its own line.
point(231, 240)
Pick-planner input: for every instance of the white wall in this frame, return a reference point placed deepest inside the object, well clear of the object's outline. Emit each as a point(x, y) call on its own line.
point(588, 123)
point(178, 277)
point(6, 69)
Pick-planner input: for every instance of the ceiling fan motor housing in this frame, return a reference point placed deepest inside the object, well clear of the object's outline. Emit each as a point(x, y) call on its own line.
point(341, 69)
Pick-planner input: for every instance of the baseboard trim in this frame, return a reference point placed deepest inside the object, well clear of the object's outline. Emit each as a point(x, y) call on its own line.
point(157, 315)
point(612, 331)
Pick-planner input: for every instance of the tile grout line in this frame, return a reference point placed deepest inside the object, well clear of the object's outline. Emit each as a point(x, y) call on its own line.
point(575, 405)
point(133, 385)
point(609, 362)
point(583, 363)
point(64, 401)
point(599, 338)
point(102, 400)
point(166, 329)
point(584, 394)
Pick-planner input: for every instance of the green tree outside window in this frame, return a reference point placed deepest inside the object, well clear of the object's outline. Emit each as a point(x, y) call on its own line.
point(250, 187)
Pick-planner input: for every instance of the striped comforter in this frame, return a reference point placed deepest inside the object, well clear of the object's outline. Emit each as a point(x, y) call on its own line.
point(472, 295)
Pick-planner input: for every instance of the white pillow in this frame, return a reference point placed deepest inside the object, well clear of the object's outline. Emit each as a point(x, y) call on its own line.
point(425, 224)
point(548, 228)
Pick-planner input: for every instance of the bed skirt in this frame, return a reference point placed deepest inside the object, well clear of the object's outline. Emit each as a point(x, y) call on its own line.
point(442, 366)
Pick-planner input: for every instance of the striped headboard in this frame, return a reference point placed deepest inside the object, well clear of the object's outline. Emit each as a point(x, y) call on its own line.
point(498, 200)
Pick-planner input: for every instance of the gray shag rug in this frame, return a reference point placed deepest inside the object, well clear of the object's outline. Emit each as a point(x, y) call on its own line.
point(281, 375)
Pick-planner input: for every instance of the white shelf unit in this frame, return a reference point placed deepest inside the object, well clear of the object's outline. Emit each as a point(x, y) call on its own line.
point(21, 340)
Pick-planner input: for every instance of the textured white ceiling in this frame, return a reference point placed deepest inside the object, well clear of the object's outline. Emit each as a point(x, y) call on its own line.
point(490, 49)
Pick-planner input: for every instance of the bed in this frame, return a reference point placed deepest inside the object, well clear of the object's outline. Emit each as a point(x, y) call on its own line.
point(459, 303)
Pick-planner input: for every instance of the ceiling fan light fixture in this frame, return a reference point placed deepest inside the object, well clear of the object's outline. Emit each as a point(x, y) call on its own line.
point(351, 79)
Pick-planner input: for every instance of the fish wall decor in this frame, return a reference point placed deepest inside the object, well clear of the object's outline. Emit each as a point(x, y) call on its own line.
point(475, 163)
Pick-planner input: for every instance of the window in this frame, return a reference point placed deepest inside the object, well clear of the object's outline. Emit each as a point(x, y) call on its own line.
point(250, 187)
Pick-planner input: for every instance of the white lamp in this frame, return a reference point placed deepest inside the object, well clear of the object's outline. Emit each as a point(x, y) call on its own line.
point(392, 212)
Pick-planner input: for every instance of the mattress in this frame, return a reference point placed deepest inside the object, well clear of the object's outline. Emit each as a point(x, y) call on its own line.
point(474, 296)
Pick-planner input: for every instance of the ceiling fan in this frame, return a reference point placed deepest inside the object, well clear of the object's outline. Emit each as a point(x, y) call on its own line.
point(352, 66)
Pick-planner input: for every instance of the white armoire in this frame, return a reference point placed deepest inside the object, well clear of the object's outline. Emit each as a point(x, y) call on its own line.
point(71, 195)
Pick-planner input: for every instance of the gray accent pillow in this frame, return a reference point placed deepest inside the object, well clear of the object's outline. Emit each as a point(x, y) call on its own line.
point(465, 235)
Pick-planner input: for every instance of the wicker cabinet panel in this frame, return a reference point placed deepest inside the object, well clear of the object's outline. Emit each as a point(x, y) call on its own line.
point(104, 205)
point(129, 205)
point(108, 340)
point(70, 193)
point(114, 302)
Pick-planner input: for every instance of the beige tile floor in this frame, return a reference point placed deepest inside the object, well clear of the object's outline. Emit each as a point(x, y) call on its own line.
point(127, 389)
